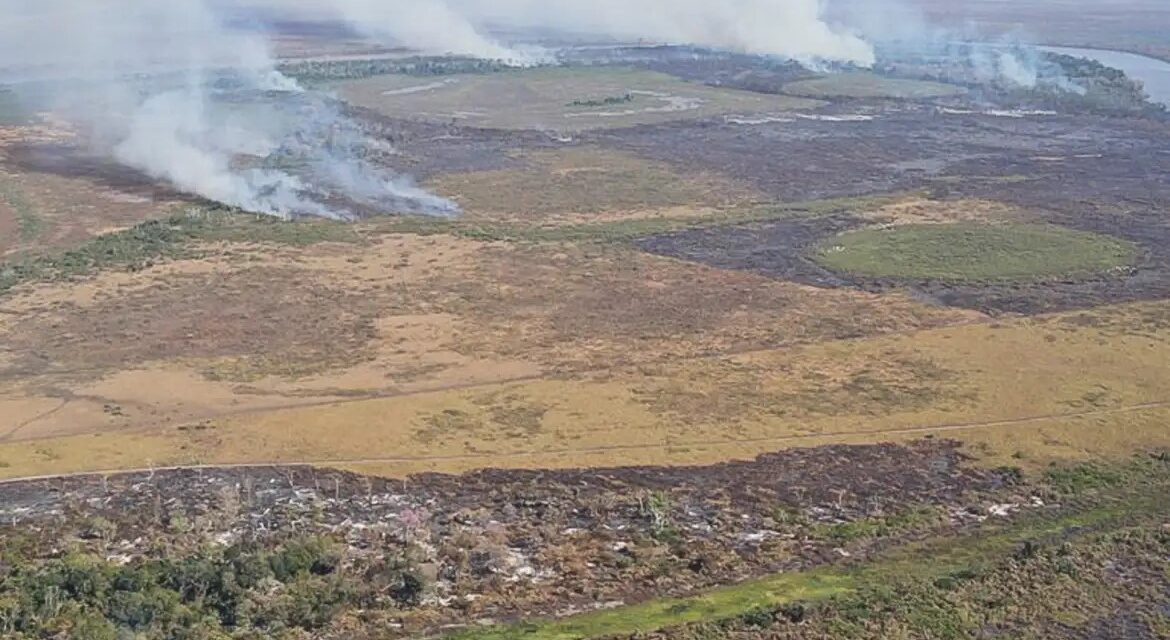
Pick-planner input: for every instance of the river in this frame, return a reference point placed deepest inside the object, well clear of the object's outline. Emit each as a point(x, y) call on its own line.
point(1154, 73)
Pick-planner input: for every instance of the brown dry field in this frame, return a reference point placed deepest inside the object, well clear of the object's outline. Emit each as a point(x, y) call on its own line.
point(41, 211)
point(405, 352)
point(586, 184)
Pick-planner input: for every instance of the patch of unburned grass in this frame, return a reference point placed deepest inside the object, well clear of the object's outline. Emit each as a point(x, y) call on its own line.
point(169, 238)
point(969, 252)
point(881, 526)
point(626, 229)
point(29, 223)
point(870, 85)
point(1015, 416)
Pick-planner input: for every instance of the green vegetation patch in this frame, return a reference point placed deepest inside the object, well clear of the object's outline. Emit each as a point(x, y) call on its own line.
point(603, 102)
point(170, 238)
point(242, 591)
point(320, 71)
point(869, 85)
point(29, 223)
point(972, 252)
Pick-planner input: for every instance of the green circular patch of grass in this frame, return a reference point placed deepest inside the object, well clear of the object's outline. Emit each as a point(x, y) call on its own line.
point(971, 252)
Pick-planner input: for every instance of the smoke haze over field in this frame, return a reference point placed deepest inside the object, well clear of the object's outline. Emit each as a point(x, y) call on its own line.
point(165, 88)
point(169, 88)
point(790, 28)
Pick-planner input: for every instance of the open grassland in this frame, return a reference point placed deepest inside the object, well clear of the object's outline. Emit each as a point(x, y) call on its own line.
point(869, 85)
point(972, 252)
point(43, 213)
point(1079, 386)
point(557, 99)
point(583, 184)
point(452, 345)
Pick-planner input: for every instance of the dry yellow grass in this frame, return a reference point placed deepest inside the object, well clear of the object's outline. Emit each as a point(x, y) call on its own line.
point(255, 328)
point(919, 210)
point(1023, 392)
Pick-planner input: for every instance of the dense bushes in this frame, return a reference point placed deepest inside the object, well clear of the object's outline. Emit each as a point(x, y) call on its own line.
point(213, 593)
point(322, 71)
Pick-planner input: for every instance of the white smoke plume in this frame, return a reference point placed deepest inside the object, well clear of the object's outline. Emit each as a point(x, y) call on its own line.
point(166, 88)
point(995, 57)
point(789, 28)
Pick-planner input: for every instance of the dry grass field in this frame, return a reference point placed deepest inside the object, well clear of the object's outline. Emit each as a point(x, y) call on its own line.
point(557, 99)
point(42, 211)
point(394, 352)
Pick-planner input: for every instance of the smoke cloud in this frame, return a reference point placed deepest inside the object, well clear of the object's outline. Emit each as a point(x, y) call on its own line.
point(166, 88)
point(789, 28)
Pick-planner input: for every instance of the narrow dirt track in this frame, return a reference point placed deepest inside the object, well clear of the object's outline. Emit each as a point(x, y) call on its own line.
point(940, 428)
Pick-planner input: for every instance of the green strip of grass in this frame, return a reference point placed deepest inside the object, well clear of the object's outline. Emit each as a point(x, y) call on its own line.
point(936, 559)
point(169, 238)
point(626, 230)
point(29, 223)
point(177, 236)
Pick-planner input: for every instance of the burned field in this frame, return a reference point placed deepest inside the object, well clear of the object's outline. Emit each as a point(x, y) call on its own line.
point(1083, 176)
point(442, 552)
point(321, 553)
point(644, 210)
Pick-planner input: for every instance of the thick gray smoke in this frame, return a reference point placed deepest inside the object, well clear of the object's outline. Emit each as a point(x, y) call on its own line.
point(165, 88)
point(789, 28)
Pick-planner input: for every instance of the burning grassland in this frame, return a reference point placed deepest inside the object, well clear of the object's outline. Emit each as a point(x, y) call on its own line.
point(664, 259)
